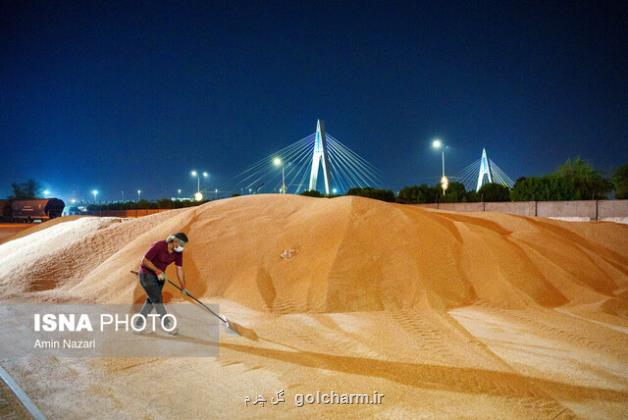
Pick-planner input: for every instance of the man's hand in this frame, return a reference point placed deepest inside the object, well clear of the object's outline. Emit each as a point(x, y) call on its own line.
point(161, 275)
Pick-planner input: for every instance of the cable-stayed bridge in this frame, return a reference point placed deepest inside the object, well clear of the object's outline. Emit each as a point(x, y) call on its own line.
point(316, 162)
point(480, 172)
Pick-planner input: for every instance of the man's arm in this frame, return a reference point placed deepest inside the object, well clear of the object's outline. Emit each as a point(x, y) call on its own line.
point(180, 276)
point(149, 264)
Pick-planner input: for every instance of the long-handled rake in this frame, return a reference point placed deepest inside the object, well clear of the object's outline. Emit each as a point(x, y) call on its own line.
point(228, 324)
point(232, 326)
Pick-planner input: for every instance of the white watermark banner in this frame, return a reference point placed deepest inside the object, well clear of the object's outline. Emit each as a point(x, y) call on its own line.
point(92, 330)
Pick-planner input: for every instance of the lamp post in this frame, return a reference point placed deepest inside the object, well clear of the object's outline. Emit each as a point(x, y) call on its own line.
point(94, 193)
point(139, 195)
point(279, 163)
point(438, 145)
point(198, 196)
point(198, 181)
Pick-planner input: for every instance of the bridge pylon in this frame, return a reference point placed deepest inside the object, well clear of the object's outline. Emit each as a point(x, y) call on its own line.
point(320, 157)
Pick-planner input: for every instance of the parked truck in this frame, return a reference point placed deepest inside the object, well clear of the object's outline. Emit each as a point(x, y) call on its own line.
point(35, 210)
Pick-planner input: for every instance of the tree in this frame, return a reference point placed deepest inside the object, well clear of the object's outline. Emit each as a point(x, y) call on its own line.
point(311, 193)
point(455, 193)
point(620, 181)
point(26, 190)
point(573, 180)
point(375, 193)
point(472, 197)
point(494, 192)
point(586, 183)
point(418, 194)
point(531, 188)
point(165, 203)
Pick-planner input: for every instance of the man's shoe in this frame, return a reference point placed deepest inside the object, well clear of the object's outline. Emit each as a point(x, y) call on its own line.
point(175, 331)
point(139, 327)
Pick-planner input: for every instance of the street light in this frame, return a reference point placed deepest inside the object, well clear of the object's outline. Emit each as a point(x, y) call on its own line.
point(139, 194)
point(94, 193)
point(198, 183)
point(46, 193)
point(205, 175)
point(438, 145)
point(278, 162)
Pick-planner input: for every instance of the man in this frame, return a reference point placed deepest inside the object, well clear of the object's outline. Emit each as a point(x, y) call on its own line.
point(153, 277)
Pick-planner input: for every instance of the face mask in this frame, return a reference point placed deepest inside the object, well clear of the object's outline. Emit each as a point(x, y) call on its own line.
point(178, 248)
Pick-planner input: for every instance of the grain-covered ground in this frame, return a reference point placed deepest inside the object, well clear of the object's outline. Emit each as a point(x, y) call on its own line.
point(447, 315)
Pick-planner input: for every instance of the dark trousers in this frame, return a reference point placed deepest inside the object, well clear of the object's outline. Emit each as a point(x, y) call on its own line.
point(153, 286)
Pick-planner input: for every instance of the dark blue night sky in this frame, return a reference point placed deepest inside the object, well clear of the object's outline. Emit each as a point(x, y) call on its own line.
point(126, 95)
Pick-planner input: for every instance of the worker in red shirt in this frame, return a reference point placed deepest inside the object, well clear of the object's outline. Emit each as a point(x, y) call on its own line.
point(153, 277)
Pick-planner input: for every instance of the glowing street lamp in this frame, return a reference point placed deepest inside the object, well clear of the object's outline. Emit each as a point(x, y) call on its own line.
point(334, 190)
point(438, 145)
point(139, 195)
point(198, 182)
point(279, 163)
point(205, 175)
point(94, 193)
point(444, 183)
point(46, 193)
point(198, 196)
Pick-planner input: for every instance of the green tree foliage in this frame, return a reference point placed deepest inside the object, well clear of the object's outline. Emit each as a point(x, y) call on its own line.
point(165, 203)
point(494, 192)
point(528, 189)
point(418, 194)
point(145, 204)
point(375, 193)
point(472, 197)
point(455, 193)
point(545, 188)
point(620, 181)
point(573, 180)
point(311, 193)
point(26, 190)
point(586, 182)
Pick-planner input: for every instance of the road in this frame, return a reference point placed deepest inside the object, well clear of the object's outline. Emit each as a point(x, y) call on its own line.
point(9, 229)
point(10, 407)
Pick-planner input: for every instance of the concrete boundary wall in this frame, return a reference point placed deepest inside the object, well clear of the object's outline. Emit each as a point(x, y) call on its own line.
point(589, 209)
